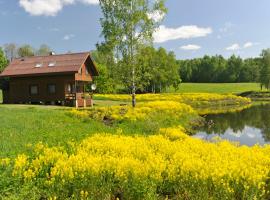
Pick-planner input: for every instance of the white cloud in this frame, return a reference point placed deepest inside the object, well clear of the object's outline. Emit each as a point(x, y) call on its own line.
point(49, 7)
point(250, 44)
point(236, 46)
point(68, 36)
point(164, 34)
point(233, 47)
point(90, 2)
point(191, 47)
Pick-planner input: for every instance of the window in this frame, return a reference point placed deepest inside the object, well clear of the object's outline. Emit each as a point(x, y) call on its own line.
point(52, 64)
point(73, 88)
point(38, 65)
point(69, 88)
point(33, 89)
point(51, 89)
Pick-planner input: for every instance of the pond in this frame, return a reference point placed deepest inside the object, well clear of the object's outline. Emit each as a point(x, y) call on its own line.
point(248, 127)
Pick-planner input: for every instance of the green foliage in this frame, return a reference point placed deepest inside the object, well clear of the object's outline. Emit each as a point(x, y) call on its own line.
point(3, 60)
point(13, 51)
point(10, 51)
point(265, 71)
point(157, 70)
point(126, 25)
point(216, 69)
point(26, 51)
point(44, 50)
point(105, 84)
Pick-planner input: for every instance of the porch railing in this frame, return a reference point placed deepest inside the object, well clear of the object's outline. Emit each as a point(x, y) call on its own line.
point(74, 96)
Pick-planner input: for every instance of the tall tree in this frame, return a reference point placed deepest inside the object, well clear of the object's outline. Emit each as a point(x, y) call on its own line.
point(26, 51)
point(3, 60)
point(10, 51)
point(126, 25)
point(265, 71)
point(250, 72)
point(157, 70)
point(44, 50)
point(234, 67)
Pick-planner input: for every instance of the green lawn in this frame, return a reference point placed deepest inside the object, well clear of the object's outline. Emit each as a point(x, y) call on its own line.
point(21, 126)
point(221, 88)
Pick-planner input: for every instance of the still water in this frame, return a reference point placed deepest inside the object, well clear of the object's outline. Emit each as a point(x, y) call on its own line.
point(248, 127)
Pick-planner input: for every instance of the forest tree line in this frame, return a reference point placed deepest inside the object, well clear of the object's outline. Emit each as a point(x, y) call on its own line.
point(217, 69)
point(158, 70)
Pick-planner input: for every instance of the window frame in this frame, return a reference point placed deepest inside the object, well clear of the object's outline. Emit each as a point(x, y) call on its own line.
point(48, 88)
point(30, 89)
point(72, 88)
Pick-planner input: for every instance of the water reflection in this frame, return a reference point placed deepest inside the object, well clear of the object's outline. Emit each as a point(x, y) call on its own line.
point(248, 127)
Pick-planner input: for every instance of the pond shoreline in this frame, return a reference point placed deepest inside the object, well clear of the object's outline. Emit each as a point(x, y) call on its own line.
point(248, 126)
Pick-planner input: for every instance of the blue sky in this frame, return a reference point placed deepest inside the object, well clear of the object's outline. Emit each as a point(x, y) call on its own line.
point(192, 28)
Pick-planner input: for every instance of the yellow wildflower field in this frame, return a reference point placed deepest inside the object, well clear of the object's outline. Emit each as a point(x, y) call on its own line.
point(140, 112)
point(188, 98)
point(167, 165)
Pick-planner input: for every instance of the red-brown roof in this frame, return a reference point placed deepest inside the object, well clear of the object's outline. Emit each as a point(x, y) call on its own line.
point(65, 63)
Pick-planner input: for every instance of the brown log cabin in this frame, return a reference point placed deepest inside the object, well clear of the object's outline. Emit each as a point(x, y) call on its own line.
point(53, 79)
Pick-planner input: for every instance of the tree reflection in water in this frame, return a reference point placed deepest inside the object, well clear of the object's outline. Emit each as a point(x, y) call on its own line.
point(248, 127)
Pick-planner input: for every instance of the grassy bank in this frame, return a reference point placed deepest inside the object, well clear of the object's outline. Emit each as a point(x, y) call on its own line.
point(219, 88)
point(22, 126)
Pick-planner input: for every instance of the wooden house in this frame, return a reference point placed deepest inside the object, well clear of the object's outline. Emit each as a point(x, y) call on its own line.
point(53, 79)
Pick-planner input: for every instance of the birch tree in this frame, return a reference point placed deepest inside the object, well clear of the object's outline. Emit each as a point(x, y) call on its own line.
point(126, 24)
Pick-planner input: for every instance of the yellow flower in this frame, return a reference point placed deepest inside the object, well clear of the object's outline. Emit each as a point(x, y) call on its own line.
point(171, 156)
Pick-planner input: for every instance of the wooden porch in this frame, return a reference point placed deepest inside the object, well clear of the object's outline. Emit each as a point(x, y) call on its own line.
point(79, 99)
point(77, 95)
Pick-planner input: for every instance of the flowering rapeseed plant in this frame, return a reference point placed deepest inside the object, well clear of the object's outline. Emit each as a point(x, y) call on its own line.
point(170, 164)
point(188, 98)
point(141, 112)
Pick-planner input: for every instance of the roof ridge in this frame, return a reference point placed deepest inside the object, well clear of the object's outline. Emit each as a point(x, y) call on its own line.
point(86, 52)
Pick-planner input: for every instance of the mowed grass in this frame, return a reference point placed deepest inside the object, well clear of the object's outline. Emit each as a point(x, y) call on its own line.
point(24, 126)
point(219, 88)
